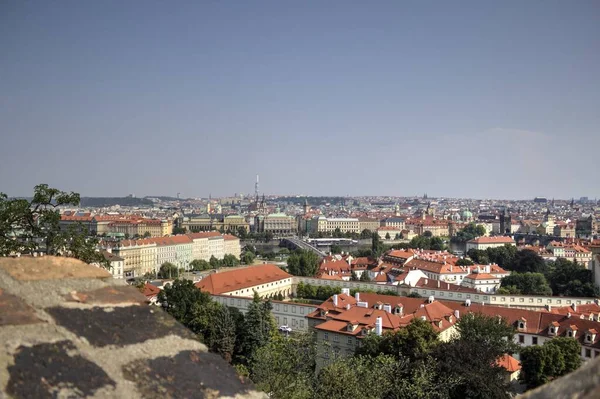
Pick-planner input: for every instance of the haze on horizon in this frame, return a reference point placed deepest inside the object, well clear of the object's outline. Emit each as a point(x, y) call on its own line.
point(495, 100)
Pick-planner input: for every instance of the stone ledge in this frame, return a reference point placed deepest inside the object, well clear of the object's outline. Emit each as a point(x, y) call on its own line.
point(67, 330)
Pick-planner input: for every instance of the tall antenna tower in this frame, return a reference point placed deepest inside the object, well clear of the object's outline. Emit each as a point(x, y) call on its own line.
point(256, 187)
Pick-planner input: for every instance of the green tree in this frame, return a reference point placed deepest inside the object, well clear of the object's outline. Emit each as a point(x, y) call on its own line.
point(32, 226)
point(214, 262)
point(364, 276)
point(502, 256)
point(527, 260)
point(571, 279)
point(179, 230)
point(464, 262)
point(557, 357)
point(178, 299)
point(284, 368)
point(357, 377)
point(268, 236)
point(167, 271)
point(468, 232)
point(303, 263)
point(571, 352)
point(242, 233)
point(248, 257)
point(335, 249)
point(494, 334)
point(377, 246)
point(353, 276)
point(366, 233)
point(479, 256)
point(199, 265)
point(230, 260)
point(457, 361)
point(147, 235)
point(387, 236)
point(527, 284)
point(413, 342)
point(259, 327)
point(223, 335)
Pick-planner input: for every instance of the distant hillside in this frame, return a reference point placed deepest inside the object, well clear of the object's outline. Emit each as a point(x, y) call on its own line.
point(111, 201)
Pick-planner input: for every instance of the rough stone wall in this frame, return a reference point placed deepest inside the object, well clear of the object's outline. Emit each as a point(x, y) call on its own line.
point(68, 329)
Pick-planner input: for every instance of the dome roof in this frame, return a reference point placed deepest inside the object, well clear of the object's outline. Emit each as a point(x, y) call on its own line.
point(467, 214)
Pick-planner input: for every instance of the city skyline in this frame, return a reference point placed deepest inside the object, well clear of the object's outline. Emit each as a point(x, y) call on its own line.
point(347, 99)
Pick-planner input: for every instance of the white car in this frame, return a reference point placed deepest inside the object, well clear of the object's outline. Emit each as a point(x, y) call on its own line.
point(285, 329)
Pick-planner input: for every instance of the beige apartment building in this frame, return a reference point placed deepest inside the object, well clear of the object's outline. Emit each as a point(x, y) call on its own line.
point(279, 224)
point(368, 224)
point(140, 257)
point(231, 246)
point(330, 225)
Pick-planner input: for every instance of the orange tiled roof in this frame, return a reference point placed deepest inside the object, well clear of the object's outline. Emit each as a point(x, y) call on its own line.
point(509, 363)
point(221, 282)
point(492, 240)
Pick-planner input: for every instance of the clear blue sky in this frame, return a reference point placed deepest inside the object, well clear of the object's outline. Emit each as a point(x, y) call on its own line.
point(463, 99)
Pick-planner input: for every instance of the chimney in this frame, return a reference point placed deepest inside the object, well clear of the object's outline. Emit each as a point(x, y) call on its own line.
point(348, 306)
point(387, 307)
point(468, 302)
point(362, 304)
point(574, 306)
point(346, 291)
point(426, 281)
point(568, 315)
point(438, 283)
point(378, 326)
point(548, 308)
point(457, 314)
point(357, 296)
point(430, 299)
point(335, 300)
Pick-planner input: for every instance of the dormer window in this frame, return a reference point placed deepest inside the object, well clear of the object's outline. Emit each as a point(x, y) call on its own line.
point(553, 329)
point(399, 309)
point(323, 313)
point(522, 323)
point(572, 331)
point(590, 336)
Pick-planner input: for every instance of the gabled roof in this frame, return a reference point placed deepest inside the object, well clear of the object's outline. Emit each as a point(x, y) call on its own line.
point(509, 363)
point(492, 240)
point(222, 282)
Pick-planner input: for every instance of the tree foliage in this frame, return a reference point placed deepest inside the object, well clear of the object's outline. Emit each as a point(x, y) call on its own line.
point(285, 367)
point(168, 271)
point(303, 263)
point(468, 233)
point(526, 283)
point(571, 279)
point(427, 242)
point(199, 265)
point(34, 226)
point(259, 327)
point(357, 377)
point(542, 363)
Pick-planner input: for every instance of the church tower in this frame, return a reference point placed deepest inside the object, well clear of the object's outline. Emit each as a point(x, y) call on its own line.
point(505, 222)
point(306, 207)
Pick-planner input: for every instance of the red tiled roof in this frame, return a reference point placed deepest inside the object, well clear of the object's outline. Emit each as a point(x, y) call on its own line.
point(509, 363)
point(150, 290)
point(221, 282)
point(492, 240)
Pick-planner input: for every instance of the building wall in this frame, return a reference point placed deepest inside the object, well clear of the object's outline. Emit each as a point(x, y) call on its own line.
point(216, 246)
point(518, 301)
point(232, 247)
point(483, 246)
point(284, 313)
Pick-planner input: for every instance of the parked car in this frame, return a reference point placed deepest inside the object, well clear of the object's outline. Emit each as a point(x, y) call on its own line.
point(285, 329)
